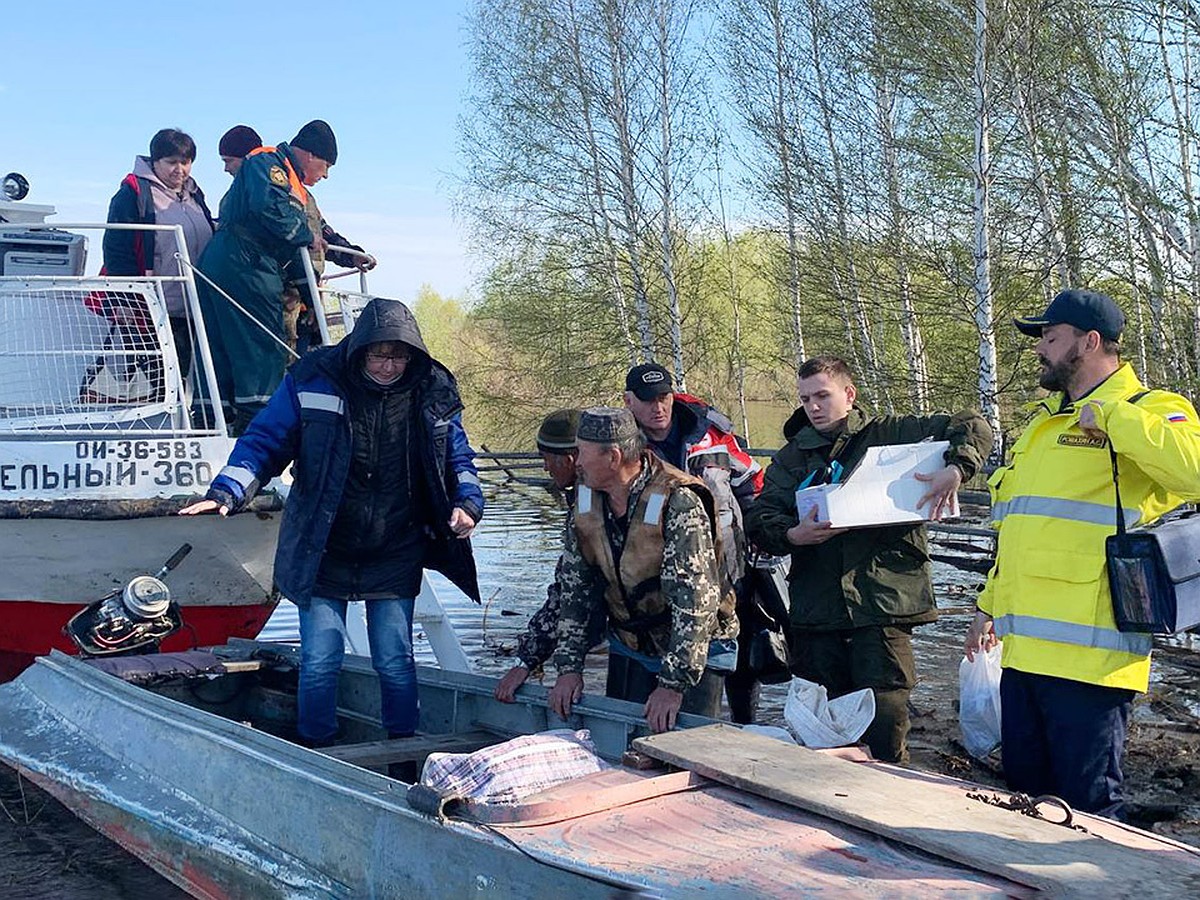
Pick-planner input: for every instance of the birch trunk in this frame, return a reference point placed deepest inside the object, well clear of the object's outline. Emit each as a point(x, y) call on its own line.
point(602, 219)
point(910, 328)
point(873, 371)
point(664, 11)
point(619, 118)
point(783, 147)
point(983, 279)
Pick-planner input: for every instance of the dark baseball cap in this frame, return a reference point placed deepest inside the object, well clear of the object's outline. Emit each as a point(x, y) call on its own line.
point(1086, 310)
point(648, 381)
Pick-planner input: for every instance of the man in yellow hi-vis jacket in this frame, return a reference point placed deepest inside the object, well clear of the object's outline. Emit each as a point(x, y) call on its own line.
point(1069, 675)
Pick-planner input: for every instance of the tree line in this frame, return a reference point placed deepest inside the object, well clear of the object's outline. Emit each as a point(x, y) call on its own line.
point(728, 188)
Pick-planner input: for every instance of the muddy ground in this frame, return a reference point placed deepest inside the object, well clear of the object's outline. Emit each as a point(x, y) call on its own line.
point(1162, 766)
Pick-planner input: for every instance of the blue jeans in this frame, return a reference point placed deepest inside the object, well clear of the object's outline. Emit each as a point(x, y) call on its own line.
point(322, 647)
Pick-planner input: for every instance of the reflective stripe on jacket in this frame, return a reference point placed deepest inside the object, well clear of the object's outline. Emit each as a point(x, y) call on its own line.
point(1054, 505)
point(307, 421)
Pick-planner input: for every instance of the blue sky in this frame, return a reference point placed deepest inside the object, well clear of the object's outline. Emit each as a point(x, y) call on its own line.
point(85, 84)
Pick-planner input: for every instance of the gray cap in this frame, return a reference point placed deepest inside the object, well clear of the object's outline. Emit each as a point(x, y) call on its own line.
point(606, 425)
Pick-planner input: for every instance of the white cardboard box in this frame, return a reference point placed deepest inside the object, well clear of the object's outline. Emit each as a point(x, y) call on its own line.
point(881, 490)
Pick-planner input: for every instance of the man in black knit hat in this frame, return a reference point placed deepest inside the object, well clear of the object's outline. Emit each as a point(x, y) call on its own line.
point(253, 255)
point(235, 144)
point(314, 144)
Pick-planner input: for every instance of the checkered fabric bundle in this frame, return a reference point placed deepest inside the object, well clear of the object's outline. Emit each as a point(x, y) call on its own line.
point(507, 773)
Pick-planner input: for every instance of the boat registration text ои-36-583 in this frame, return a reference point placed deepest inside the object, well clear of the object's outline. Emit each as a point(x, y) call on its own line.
point(110, 468)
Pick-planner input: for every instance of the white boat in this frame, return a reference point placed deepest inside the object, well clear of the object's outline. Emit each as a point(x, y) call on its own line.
point(100, 446)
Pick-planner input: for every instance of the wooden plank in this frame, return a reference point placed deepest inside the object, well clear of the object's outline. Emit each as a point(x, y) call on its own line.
point(242, 665)
point(413, 749)
point(942, 822)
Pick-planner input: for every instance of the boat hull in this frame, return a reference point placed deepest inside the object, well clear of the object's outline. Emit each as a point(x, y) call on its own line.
point(52, 568)
point(226, 810)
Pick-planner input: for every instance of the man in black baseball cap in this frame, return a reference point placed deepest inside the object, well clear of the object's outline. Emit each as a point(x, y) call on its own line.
point(1085, 310)
point(1069, 673)
point(1070, 361)
point(693, 436)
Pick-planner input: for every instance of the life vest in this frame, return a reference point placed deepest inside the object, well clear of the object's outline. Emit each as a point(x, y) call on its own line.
point(633, 593)
point(1054, 506)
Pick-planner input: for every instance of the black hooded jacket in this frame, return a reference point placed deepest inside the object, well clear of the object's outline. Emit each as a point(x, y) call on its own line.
point(377, 471)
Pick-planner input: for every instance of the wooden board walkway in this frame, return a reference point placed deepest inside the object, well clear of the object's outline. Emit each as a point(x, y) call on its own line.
point(937, 819)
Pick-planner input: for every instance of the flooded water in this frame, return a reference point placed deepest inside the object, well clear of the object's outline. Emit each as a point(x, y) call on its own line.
point(45, 852)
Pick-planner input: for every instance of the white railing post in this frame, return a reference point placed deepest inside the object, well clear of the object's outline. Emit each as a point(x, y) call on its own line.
point(310, 276)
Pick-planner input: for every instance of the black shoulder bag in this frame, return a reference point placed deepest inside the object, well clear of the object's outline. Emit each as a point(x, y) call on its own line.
point(764, 620)
point(1154, 570)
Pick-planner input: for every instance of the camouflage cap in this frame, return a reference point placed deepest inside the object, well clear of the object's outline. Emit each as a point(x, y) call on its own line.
point(606, 425)
point(557, 432)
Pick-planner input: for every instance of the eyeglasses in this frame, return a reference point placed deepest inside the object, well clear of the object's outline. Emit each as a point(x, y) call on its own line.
point(378, 359)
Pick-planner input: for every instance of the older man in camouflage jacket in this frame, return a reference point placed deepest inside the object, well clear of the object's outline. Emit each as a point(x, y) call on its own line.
point(643, 545)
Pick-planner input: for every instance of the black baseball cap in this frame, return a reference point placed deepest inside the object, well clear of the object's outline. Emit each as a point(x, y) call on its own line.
point(1086, 310)
point(648, 381)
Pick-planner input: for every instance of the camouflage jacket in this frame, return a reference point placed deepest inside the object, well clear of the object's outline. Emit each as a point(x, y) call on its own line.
point(537, 642)
point(690, 584)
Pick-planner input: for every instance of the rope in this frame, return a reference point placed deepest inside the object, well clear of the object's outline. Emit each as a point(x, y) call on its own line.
point(216, 287)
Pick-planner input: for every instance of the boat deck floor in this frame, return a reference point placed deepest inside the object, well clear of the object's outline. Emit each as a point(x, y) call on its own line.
point(712, 838)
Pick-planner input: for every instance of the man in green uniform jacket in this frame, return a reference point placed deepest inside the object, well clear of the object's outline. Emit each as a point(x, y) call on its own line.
point(263, 225)
point(856, 594)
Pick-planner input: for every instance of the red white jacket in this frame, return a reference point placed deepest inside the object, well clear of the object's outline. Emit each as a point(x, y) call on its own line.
point(712, 453)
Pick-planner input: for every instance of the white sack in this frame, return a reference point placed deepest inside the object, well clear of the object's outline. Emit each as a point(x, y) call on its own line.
point(819, 722)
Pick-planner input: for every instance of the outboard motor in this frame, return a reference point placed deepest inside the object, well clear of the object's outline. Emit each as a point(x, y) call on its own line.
point(133, 619)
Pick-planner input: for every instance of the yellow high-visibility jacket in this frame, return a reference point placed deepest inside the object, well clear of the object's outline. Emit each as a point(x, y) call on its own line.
point(1054, 505)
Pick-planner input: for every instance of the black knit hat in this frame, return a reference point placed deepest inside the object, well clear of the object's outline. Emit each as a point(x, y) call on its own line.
point(557, 432)
point(238, 141)
point(317, 138)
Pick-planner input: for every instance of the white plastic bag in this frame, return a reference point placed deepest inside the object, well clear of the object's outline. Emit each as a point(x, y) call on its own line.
point(819, 722)
point(979, 702)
